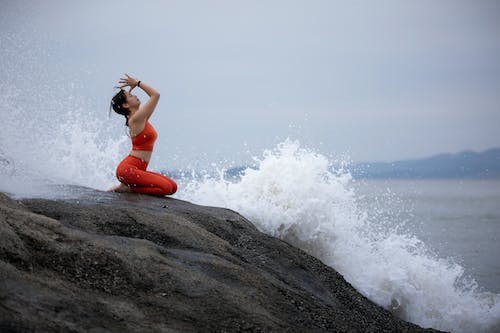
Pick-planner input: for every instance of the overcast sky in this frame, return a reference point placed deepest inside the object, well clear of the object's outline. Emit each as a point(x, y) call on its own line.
point(374, 80)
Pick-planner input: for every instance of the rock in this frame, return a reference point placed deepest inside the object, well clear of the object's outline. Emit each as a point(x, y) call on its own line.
point(133, 263)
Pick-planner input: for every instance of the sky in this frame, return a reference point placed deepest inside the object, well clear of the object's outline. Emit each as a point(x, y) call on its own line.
point(370, 80)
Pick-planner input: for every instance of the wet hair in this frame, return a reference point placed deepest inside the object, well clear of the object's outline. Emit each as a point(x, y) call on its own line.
point(117, 105)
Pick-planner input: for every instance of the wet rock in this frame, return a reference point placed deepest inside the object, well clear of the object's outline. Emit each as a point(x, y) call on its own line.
point(132, 263)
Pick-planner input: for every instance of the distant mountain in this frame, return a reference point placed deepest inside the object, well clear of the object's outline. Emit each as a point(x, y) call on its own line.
point(467, 164)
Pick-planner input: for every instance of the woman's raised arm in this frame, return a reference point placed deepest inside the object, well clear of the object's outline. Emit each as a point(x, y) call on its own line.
point(146, 110)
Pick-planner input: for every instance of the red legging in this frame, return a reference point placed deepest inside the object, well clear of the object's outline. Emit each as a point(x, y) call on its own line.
point(132, 172)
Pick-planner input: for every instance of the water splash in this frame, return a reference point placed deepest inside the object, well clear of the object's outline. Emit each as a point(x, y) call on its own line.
point(295, 195)
point(56, 136)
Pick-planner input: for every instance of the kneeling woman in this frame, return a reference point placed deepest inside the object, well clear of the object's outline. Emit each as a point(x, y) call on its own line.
point(131, 172)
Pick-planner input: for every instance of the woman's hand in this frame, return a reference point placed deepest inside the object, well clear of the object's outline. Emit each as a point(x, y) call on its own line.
point(128, 81)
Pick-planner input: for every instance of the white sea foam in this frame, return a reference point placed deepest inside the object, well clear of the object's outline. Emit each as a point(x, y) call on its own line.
point(55, 141)
point(293, 194)
point(50, 133)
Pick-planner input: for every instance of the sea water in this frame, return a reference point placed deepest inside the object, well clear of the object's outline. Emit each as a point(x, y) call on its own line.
point(397, 243)
point(458, 218)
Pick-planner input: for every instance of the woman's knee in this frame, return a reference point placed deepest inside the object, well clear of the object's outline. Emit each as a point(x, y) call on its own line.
point(169, 186)
point(174, 186)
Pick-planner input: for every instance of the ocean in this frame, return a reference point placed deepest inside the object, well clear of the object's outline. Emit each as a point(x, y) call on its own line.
point(422, 249)
point(425, 250)
point(456, 218)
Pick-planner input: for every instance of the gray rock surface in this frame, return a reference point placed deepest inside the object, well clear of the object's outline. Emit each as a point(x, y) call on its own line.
point(112, 262)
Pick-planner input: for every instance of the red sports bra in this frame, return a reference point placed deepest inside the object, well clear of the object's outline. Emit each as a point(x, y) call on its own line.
point(146, 139)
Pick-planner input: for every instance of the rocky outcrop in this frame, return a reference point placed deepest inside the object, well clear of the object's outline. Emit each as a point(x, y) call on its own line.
point(133, 263)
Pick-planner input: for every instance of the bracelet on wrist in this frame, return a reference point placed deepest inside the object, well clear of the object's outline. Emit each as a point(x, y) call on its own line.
point(139, 84)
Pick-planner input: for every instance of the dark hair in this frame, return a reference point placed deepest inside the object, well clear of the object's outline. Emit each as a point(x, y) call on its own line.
point(117, 104)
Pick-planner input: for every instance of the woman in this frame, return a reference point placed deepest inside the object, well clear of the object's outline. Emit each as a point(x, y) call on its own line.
point(131, 172)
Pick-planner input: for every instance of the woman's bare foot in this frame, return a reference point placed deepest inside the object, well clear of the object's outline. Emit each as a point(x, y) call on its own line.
point(120, 188)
